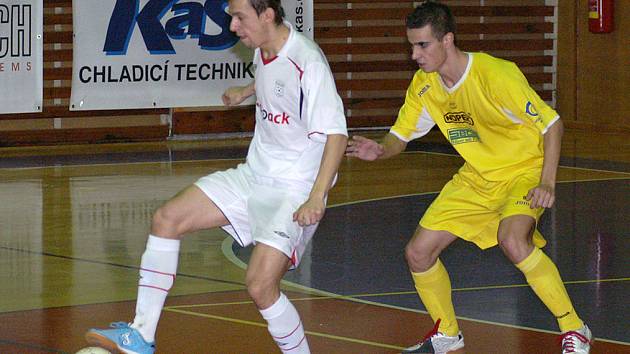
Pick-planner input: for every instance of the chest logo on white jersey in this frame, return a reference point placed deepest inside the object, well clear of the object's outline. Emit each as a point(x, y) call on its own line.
point(276, 118)
point(279, 88)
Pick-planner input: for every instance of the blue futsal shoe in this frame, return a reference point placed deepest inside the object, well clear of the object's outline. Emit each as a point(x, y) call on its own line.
point(120, 339)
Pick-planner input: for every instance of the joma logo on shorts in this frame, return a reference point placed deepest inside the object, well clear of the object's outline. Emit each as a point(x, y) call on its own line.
point(522, 202)
point(282, 234)
point(458, 117)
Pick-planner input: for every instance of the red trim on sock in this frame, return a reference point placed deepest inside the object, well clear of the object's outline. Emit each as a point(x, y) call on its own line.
point(158, 272)
point(293, 331)
point(154, 287)
point(301, 340)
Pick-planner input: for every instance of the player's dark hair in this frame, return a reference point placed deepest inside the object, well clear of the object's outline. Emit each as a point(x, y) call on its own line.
point(432, 13)
point(262, 5)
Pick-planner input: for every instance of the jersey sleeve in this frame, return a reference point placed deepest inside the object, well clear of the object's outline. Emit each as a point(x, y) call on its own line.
point(413, 120)
point(521, 103)
point(324, 108)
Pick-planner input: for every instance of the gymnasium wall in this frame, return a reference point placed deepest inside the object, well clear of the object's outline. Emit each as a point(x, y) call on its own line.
point(56, 124)
point(593, 70)
point(366, 45)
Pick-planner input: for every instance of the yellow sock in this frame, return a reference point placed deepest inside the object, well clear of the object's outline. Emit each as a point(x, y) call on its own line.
point(542, 275)
point(434, 288)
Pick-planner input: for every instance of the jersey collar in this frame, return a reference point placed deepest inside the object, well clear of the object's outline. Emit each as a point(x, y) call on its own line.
point(461, 79)
point(285, 48)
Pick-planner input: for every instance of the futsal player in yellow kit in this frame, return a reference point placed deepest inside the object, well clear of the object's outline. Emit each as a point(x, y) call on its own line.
point(510, 141)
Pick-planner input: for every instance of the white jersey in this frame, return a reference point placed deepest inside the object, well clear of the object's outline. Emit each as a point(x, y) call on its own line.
point(297, 105)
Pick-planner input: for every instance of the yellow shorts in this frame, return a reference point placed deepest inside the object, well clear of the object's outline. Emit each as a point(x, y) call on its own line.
point(471, 207)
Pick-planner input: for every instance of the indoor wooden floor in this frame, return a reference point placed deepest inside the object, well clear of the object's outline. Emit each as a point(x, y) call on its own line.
point(74, 220)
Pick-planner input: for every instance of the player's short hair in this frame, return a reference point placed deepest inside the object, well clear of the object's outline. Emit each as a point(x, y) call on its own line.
point(432, 13)
point(262, 5)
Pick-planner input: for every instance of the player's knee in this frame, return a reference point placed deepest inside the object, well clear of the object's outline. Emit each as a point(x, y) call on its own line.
point(260, 290)
point(515, 247)
point(417, 258)
point(165, 222)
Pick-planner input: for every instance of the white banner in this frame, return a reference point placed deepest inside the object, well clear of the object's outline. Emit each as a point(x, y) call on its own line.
point(161, 53)
point(21, 56)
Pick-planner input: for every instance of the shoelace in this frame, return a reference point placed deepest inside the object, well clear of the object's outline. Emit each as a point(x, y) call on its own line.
point(567, 340)
point(433, 332)
point(119, 324)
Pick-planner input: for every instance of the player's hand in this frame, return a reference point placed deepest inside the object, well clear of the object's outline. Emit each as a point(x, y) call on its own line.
point(311, 212)
point(364, 148)
point(542, 196)
point(234, 95)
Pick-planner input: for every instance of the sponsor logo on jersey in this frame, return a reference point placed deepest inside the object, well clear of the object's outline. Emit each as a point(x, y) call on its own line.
point(531, 110)
point(462, 135)
point(279, 88)
point(273, 117)
point(424, 90)
point(458, 117)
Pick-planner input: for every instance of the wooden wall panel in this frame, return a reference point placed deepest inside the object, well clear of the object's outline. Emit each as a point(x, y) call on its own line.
point(216, 121)
point(83, 135)
point(567, 60)
point(593, 70)
point(603, 72)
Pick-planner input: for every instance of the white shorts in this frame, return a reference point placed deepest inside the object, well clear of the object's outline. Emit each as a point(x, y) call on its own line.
point(260, 209)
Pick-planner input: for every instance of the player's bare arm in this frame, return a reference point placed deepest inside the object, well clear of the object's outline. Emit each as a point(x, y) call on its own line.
point(312, 211)
point(544, 195)
point(237, 94)
point(370, 150)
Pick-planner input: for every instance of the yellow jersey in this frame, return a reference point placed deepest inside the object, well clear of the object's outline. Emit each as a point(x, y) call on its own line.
point(491, 116)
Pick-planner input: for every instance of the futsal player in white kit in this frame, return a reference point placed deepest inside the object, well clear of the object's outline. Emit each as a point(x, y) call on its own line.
point(274, 200)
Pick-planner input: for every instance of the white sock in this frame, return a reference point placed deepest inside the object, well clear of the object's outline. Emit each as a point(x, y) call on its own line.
point(285, 326)
point(157, 274)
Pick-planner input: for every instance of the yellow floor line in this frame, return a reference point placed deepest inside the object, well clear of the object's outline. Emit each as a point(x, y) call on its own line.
point(264, 325)
point(226, 248)
point(343, 297)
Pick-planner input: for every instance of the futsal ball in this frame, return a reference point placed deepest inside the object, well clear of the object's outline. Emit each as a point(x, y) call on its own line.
point(93, 350)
